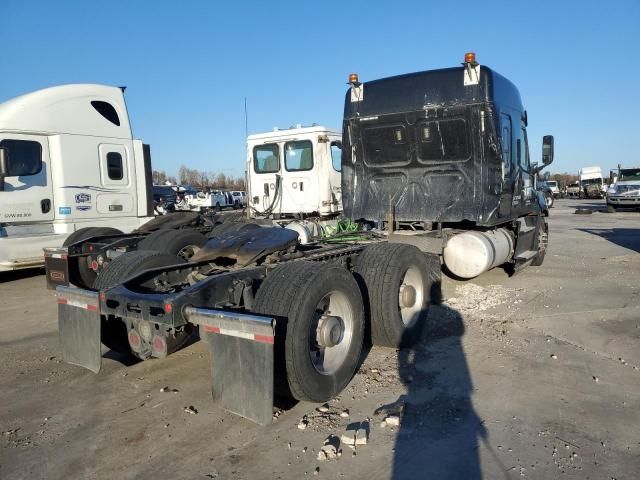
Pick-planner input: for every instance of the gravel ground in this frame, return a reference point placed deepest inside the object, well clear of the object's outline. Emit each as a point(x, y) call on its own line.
point(530, 376)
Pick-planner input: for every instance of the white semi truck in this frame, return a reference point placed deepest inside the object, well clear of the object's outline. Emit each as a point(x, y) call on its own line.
point(591, 182)
point(68, 160)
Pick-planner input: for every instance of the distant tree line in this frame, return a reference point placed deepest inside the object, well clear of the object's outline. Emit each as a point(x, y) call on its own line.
point(199, 179)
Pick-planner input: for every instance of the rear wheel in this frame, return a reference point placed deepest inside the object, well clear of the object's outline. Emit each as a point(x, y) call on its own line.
point(319, 327)
point(543, 241)
point(81, 266)
point(183, 243)
point(398, 282)
point(114, 331)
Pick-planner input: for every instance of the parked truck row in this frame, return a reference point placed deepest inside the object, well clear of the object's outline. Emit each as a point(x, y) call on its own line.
point(433, 170)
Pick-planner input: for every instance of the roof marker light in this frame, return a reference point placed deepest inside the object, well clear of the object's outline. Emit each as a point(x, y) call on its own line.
point(470, 57)
point(353, 78)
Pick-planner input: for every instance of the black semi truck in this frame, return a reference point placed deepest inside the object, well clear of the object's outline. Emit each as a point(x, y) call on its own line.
point(435, 165)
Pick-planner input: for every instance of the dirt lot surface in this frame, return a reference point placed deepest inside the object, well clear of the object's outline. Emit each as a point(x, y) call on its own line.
point(530, 376)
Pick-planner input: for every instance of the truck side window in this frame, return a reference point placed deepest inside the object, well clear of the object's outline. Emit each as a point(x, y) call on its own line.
point(23, 156)
point(505, 142)
point(298, 156)
point(266, 158)
point(525, 165)
point(336, 156)
point(107, 111)
point(114, 166)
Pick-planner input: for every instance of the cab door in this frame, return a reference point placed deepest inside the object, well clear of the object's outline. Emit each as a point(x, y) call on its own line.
point(299, 179)
point(28, 194)
point(264, 170)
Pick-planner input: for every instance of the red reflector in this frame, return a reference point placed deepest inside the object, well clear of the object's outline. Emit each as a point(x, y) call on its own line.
point(91, 248)
point(134, 339)
point(94, 266)
point(92, 308)
point(159, 344)
point(62, 301)
point(263, 338)
point(102, 296)
point(210, 329)
point(168, 308)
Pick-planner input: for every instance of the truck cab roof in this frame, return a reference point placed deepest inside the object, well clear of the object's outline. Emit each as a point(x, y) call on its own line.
point(80, 109)
point(432, 88)
point(277, 133)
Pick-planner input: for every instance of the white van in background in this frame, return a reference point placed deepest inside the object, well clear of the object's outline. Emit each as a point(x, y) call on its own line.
point(67, 161)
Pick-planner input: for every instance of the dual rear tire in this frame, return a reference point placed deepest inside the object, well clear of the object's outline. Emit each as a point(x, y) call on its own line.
point(80, 266)
point(321, 311)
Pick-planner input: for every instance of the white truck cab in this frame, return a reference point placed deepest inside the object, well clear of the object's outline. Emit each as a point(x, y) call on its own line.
point(294, 172)
point(592, 176)
point(67, 161)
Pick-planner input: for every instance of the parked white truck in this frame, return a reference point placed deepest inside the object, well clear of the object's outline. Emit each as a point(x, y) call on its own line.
point(591, 182)
point(294, 172)
point(625, 191)
point(68, 160)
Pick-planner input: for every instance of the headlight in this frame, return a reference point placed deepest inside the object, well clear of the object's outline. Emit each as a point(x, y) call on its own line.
point(612, 189)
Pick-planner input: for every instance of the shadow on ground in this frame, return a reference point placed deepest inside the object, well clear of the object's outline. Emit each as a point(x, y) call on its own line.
point(586, 205)
point(440, 431)
point(20, 274)
point(625, 237)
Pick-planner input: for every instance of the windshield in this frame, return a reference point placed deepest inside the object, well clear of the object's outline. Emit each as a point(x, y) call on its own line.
point(592, 181)
point(266, 158)
point(629, 174)
point(163, 191)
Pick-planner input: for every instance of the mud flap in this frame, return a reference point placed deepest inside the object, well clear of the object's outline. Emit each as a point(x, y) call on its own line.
point(79, 327)
point(241, 353)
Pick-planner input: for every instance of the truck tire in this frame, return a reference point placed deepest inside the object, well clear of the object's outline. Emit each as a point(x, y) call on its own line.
point(130, 263)
point(398, 283)
point(183, 243)
point(113, 332)
point(80, 269)
point(316, 354)
point(611, 208)
point(549, 200)
point(543, 241)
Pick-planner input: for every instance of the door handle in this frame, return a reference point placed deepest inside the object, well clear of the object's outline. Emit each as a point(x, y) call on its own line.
point(45, 205)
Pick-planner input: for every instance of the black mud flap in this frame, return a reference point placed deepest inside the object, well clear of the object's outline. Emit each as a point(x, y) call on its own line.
point(79, 327)
point(241, 353)
point(56, 264)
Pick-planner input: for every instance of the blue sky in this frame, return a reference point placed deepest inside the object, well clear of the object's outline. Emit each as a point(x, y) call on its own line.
point(188, 65)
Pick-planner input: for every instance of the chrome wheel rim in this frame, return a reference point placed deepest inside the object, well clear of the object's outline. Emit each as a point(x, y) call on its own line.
point(331, 332)
point(411, 296)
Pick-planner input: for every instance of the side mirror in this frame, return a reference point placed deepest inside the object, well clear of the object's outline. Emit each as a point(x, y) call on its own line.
point(547, 149)
point(4, 167)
